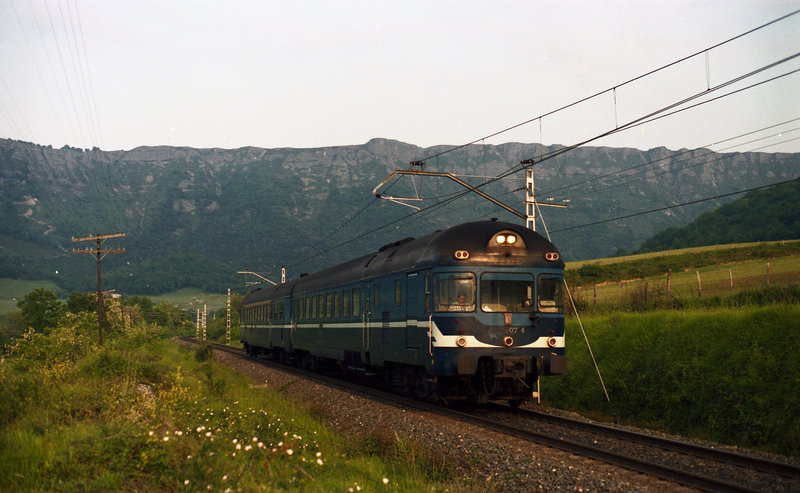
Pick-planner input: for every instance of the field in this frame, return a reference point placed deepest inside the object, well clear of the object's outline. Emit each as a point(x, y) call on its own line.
point(727, 374)
point(682, 278)
point(12, 290)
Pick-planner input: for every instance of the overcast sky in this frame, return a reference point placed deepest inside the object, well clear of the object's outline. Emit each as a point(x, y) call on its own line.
point(294, 73)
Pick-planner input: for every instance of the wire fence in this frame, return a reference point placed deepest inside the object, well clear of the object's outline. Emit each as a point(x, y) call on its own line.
point(665, 289)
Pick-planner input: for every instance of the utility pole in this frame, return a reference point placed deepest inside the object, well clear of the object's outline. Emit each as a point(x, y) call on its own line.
point(99, 253)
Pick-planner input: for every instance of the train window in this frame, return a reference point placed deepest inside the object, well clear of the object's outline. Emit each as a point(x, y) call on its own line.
point(279, 312)
point(329, 305)
point(321, 306)
point(376, 295)
point(356, 301)
point(337, 304)
point(454, 292)
point(398, 292)
point(506, 292)
point(346, 303)
point(550, 294)
point(312, 308)
point(427, 292)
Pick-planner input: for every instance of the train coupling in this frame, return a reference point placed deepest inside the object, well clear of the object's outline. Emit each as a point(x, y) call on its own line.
point(512, 367)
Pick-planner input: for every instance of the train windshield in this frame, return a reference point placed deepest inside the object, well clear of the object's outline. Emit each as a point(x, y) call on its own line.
point(504, 292)
point(550, 294)
point(454, 292)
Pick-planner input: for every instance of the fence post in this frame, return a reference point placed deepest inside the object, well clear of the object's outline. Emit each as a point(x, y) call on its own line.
point(699, 287)
point(595, 294)
point(645, 290)
point(730, 276)
point(620, 293)
point(767, 274)
point(669, 282)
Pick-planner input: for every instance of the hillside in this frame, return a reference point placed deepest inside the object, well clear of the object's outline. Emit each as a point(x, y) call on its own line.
point(770, 214)
point(193, 217)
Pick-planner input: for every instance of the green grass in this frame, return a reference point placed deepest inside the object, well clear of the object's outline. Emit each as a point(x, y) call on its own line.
point(13, 290)
point(728, 375)
point(143, 413)
point(187, 297)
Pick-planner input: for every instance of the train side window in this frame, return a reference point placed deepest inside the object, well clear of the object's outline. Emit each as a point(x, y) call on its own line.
point(550, 294)
point(337, 304)
point(346, 303)
point(321, 306)
point(356, 301)
point(427, 292)
point(398, 292)
point(329, 305)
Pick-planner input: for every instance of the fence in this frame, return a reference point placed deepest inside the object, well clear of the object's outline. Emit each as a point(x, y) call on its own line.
point(660, 290)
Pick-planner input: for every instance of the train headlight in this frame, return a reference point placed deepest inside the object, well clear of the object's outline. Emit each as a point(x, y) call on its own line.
point(508, 341)
point(506, 239)
point(552, 342)
point(461, 341)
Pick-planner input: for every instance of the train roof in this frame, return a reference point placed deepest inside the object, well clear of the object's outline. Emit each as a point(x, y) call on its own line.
point(467, 244)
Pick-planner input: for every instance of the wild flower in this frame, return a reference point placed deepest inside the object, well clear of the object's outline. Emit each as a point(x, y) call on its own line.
point(385, 480)
point(289, 451)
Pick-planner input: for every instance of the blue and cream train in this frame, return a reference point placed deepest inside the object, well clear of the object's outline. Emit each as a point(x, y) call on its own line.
point(474, 312)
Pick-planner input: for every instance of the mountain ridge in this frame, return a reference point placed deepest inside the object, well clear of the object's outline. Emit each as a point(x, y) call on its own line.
point(196, 216)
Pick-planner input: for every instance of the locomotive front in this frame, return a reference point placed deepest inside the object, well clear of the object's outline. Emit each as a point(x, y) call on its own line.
point(497, 313)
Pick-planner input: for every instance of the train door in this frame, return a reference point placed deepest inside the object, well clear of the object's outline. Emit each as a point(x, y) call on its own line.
point(365, 325)
point(415, 308)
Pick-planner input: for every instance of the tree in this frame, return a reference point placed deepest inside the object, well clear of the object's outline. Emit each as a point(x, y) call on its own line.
point(81, 302)
point(41, 309)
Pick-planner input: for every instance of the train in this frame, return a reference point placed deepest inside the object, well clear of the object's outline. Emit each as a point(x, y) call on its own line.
point(471, 313)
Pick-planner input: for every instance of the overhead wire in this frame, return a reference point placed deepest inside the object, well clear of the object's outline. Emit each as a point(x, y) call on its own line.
point(674, 206)
point(678, 106)
point(613, 88)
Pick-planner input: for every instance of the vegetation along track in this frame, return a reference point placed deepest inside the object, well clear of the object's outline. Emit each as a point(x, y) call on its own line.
point(691, 465)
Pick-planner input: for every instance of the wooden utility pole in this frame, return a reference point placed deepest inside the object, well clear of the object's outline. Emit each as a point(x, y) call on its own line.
point(99, 253)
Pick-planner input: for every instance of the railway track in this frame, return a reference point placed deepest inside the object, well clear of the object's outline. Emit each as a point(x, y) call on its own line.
point(695, 466)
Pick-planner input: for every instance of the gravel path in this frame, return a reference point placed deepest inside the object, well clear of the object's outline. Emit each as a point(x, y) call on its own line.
point(483, 460)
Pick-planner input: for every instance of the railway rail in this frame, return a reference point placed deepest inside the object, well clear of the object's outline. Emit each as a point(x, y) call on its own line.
point(692, 465)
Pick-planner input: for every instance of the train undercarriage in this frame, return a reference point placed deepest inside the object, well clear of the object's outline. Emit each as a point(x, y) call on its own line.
point(494, 379)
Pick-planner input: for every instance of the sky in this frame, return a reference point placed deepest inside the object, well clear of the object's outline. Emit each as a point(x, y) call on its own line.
point(298, 73)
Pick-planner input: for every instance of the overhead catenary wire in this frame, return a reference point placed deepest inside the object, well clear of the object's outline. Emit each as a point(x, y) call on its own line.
point(676, 106)
point(613, 88)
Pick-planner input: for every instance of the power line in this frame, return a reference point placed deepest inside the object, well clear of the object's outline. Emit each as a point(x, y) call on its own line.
point(672, 206)
point(612, 89)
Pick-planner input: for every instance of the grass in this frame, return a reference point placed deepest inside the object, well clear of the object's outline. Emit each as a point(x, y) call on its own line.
point(143, 413)
point(729, 374)
point(13, 290)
